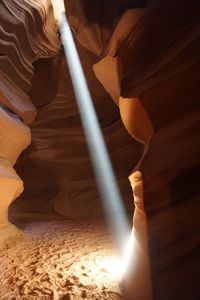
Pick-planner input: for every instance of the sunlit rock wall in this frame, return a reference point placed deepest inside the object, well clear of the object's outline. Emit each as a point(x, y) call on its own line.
point(27, 33)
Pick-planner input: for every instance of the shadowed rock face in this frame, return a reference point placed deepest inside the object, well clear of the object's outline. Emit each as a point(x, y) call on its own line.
point(56, 168)
point(93, 22)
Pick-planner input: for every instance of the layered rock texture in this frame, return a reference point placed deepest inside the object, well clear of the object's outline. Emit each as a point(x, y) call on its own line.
point(146, 56)
point(56, 168)
point(150, 68)
point(28, 32)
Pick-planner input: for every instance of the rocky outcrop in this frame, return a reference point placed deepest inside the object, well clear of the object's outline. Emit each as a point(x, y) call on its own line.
point(27, 33)
point(153, 58)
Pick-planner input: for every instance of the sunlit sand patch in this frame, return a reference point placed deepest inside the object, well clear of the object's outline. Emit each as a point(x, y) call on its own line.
point(60, 260)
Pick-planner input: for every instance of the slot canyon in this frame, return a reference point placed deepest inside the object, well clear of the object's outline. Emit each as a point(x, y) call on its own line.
point(99, 196)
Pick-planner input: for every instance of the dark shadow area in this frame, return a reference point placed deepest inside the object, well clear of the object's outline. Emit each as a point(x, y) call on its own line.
point(45, 81)
point(186, 185)
point(104, 12)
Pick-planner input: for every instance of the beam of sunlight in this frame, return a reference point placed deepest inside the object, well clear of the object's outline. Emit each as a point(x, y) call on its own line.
point(105, 177)
point(117, 266)
point(102, 166)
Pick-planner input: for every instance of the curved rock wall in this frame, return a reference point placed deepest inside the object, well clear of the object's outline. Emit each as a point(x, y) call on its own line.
point(27, 33)
point(56, 168)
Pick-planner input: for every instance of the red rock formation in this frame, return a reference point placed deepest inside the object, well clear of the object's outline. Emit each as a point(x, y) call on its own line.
point(57, 170)
point(28, 32)
point(156, 66)
point(147, 69)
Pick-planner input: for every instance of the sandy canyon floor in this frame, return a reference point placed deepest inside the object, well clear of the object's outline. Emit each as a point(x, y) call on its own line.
point(59, 259)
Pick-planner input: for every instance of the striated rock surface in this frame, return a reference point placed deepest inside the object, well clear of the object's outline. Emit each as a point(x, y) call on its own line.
point(153, 57)
point(57, 169)
point(159, 68)
point(171, 192)
point(27, 33)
